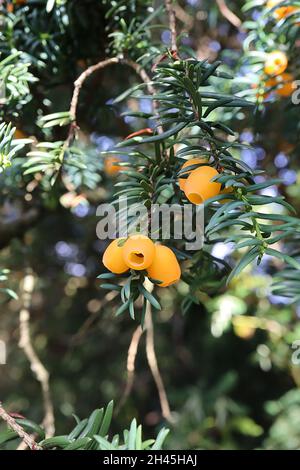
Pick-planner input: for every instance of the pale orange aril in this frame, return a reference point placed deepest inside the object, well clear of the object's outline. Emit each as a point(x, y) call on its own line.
point(165, 267)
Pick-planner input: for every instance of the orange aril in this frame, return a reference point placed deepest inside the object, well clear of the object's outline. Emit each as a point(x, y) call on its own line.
point(193, 161)
point(113, 257)
point(165, 267)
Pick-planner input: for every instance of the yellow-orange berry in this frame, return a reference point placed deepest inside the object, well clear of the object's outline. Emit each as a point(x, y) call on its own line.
point(165, 267)
point(276, 63)
point(199, 187)
point(113, 258)
point(19, 134)
point(244, 327)
point(110, 166)
point(193, 161)
point(284, 84)
point(138, 252)
point(281, 12)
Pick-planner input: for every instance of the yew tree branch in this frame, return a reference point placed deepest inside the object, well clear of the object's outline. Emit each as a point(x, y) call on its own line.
point(228, 14)
point(41, 373)
point(12, 424)
point(81, 79)
point(152, 360)
point(89, 71)
point(131, 357)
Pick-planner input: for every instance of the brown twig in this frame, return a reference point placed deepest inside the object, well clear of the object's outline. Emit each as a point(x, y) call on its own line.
point(144, 77)
point(184, 17)
point(13, 227)
point(23, 445)
point(77, 337)
point(11, 422)
point(152, 360)
point(131, 357)
point(228, 14)
point(74, 104)
point(132, 351)
point(172, 25)
point(42, 375)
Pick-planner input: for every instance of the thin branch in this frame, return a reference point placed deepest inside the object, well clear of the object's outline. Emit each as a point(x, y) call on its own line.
point(144, 77)
point(42, 375)
point(131, 357)
point(152, 361)
point(182, 15)
point(77, 87)
point(228, 14)
point(172, 25)
point(147, 80)
point(12, 424)
point(23, 445)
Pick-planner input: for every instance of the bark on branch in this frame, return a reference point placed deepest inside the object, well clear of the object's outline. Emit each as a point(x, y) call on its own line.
point(12, 424)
